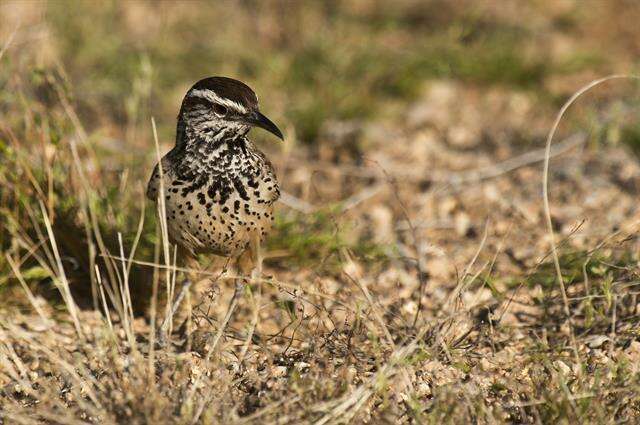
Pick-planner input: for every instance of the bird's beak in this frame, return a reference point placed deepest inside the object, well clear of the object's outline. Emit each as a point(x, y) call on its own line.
point(261, 121)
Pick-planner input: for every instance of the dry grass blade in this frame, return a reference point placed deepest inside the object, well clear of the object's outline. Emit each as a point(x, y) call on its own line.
point(34, 303)
point(83, 378)
point(170, 266)
point(348, 406)
point(61, 281)
point(545, 193)
point(107, 314)
point(9, 40)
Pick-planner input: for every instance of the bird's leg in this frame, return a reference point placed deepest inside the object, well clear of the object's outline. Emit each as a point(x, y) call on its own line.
point(249, 263)
point(176, 304)
point(256, 275)
point(256, 256)
point(190, 276)
point(239, 284)
point(237, 291)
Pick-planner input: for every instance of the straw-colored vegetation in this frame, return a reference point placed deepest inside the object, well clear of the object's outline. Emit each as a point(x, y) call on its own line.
point(410, 277)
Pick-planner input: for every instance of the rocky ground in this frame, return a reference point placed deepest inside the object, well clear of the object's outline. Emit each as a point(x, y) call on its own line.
point(410, 278)
point(339, 340)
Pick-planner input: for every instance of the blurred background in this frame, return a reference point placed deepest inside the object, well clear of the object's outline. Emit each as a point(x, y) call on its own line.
point(411, 168)
point(372, 95)
point(391, 112)
point(311, 62)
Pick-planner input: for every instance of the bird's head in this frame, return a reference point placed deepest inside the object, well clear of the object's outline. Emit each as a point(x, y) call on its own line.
point(221, 107)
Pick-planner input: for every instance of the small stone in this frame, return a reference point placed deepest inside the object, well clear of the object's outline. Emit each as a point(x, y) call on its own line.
point(423, 389)
point(302, 366)
point(279, 371)
point(596, 341)
point(562, 367)
point(462, 223)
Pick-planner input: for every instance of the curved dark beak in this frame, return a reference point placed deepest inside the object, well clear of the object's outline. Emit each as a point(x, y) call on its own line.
point(261, 121)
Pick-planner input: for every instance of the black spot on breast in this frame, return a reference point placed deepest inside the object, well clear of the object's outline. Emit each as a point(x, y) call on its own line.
point(221, 186)
point(237, 183)
point(196, 184)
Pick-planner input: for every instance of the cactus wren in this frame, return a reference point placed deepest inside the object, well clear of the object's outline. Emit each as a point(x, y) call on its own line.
point(219, 188)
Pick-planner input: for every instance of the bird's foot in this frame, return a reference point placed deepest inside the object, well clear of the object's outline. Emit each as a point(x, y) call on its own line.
point(163, 331)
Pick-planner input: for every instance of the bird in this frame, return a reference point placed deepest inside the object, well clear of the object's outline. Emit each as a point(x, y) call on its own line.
point(217, 188)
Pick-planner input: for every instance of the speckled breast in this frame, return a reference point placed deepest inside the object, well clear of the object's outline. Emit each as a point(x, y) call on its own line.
point(224, 228)
point(218, 212)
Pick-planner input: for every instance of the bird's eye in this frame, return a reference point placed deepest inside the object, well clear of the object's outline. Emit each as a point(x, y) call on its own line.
point(219, 109)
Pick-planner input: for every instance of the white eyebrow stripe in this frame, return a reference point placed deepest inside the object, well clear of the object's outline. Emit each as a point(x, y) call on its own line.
point(212, 97)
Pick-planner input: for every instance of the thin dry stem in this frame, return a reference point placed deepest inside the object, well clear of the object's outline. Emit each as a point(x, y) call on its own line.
point(545, 194)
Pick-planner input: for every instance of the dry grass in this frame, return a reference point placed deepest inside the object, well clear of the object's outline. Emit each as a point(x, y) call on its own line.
point(417, 273)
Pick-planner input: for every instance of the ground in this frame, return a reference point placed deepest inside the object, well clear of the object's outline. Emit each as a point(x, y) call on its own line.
point(411, 275)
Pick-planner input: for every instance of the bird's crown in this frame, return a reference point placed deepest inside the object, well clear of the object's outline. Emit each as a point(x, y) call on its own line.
point(226, 92)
